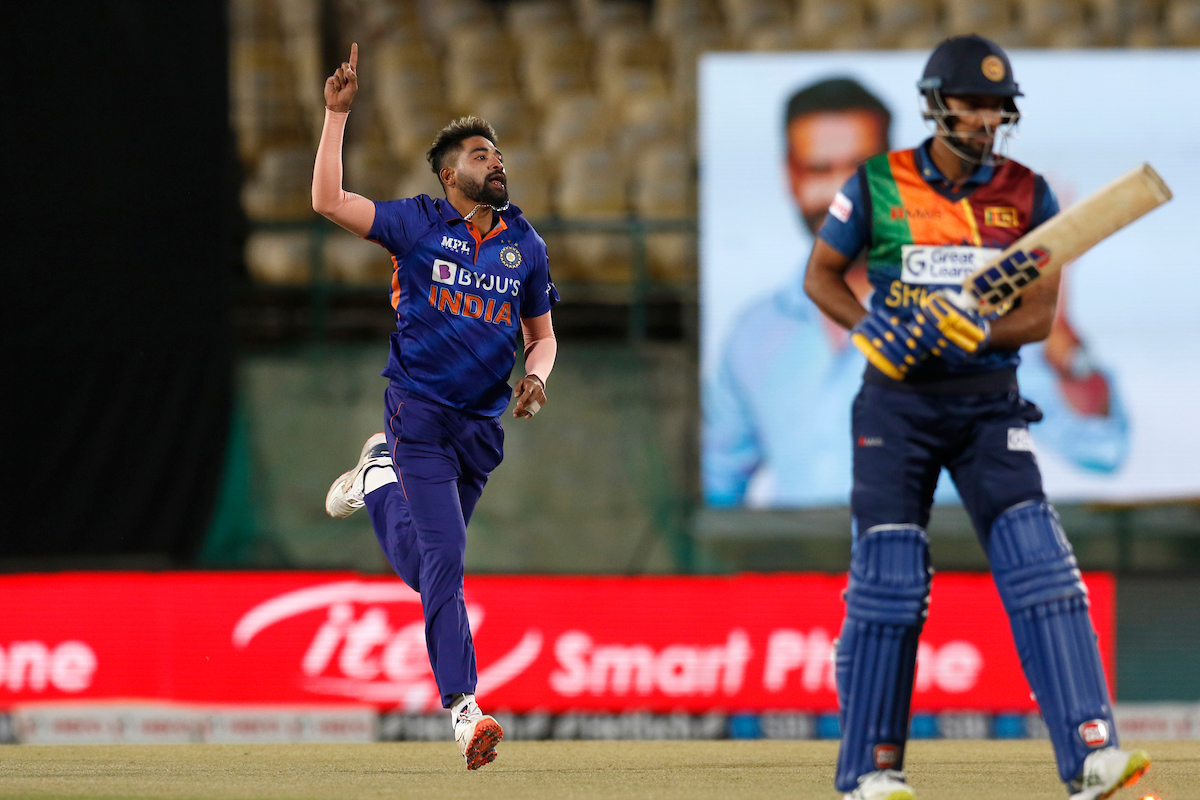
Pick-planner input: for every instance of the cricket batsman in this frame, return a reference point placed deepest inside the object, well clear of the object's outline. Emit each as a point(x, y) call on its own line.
point(940, 390)
point(471, 283)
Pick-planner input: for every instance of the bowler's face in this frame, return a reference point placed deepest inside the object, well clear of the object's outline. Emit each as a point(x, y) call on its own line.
point(824, 148)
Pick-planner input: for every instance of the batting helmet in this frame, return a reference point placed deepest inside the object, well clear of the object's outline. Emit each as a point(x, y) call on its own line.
point(969, 65)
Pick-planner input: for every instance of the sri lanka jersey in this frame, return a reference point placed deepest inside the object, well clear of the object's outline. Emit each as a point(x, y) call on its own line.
point(459, 297)
point(921, 233)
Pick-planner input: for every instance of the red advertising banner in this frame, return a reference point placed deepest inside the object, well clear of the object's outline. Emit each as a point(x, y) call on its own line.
point(744, 643)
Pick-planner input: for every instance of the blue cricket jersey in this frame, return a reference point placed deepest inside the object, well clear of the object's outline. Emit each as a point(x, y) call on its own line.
point(459, 297)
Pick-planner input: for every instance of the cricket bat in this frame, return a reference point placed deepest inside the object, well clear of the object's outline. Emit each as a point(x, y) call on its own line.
point(1063, 237)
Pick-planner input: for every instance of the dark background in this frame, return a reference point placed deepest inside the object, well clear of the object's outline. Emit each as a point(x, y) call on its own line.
point(123, 209)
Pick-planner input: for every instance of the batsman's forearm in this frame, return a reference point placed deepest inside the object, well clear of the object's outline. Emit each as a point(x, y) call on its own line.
point(833, 296)
point(353, 212)
point(1031, 321)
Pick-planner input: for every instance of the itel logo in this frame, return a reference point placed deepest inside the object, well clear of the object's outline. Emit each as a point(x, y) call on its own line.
point(359, 651)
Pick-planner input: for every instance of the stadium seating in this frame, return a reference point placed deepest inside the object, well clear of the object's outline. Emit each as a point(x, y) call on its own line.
point(573, 85)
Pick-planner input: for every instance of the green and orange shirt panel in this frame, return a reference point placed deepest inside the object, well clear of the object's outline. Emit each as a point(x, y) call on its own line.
point(920, 233)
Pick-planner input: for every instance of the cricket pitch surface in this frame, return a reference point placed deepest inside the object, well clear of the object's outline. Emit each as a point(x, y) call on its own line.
point(937, 770)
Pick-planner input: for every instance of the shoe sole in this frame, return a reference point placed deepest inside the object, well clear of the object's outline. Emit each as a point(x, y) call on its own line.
point(348, 476)
point(1135, 768)
point(899, 794)
point(482, 749)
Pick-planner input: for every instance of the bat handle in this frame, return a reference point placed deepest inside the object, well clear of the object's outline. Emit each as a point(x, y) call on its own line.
point(964, 299)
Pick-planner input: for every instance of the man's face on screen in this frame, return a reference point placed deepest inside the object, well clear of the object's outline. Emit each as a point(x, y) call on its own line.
point(480, 172)
point(824, 148)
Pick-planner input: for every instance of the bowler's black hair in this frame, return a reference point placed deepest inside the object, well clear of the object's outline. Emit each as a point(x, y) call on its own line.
point(450, 138)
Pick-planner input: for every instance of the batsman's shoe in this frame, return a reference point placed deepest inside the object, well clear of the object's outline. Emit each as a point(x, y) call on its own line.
point(1107, 770)
point(346, 495)
point(477, 735)
point(883, 784)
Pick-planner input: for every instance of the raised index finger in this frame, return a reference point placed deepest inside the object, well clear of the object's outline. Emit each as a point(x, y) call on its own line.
point(354, 56)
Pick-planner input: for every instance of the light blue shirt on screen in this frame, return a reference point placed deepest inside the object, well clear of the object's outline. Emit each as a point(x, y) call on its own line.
point(777, 411)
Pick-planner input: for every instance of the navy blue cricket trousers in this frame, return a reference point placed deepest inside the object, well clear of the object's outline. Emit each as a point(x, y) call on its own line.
point(902, 439)
point(442, 457)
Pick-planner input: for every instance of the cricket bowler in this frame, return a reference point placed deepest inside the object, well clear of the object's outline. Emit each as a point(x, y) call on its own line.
point(940, 390)
point(471, 284)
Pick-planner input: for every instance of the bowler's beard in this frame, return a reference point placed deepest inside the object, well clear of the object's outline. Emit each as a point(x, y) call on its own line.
point(482, 191)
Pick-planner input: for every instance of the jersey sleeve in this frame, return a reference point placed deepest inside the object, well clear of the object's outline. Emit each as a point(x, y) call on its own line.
point(846, 227)
point(1045, 204)
point(399, 223)
point(538, 295)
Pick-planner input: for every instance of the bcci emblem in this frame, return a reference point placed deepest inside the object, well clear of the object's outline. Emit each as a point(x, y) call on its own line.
point(510, 257)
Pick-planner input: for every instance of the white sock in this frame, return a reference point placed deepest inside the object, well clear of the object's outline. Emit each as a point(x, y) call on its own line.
point(458, 706)
point(377, 478)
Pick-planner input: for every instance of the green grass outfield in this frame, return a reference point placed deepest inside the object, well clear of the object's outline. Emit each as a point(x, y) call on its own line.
point(938, 770)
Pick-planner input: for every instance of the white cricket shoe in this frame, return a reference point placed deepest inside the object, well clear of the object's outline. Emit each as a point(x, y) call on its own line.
point(346, 495)
point(882, 784)
point(1107, 770)
point(477, 735)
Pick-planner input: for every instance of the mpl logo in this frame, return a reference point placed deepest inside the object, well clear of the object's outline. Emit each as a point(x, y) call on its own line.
point(444, 271)
point(456, 245)
point(942, 266)
point(371, 644)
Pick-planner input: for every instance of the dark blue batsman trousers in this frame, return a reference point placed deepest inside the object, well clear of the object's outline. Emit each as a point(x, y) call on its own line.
point(902, 439)
point(442, 457)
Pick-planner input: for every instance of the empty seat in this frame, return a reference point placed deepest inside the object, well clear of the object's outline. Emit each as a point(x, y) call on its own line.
point(1183, 22)
point(574, 122)
point(264, 108)
point(619, 84)
point(529, 20)
point(828, 23)
point(592, 187)
point(1043, 20)
point(990, 18)
point(530, 181)
point(445, 18)
point(478, 64)
point(685, 55)
point(356, 262)
point(773, 39)
point(896, 18)
point(629, 48)
point(596, 16)
point(370, 169)
point(647, 119)
point(744, 17)
point(555, 65)
point(419, 179)
point(512, 118)
point(673, 18)
point(664, 189)
point(281, 188)
point(409, 97)
point(279, 257)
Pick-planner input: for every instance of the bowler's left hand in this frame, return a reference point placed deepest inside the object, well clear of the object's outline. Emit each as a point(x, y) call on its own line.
point(531, 396)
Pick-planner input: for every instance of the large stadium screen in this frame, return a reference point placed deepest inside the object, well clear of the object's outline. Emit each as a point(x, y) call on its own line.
point(1118, 378)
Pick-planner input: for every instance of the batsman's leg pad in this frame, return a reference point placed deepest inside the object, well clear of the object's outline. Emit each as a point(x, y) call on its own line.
point(1040, 584)
point(886, 603)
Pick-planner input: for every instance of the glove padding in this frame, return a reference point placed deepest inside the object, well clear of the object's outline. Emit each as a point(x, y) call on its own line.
point(947, 327)
point(888, 344)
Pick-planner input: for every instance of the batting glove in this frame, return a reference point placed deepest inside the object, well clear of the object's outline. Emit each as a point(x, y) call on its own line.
point(888, 344)
point(949, 328)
